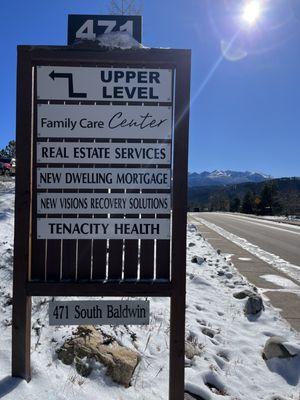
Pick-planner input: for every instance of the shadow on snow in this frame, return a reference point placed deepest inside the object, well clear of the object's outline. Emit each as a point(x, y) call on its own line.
point(8, 384)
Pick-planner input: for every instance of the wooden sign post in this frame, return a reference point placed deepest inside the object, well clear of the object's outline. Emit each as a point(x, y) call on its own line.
point(101, 186)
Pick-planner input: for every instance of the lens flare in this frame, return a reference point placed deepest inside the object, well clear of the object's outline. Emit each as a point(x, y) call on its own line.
point(252, 12)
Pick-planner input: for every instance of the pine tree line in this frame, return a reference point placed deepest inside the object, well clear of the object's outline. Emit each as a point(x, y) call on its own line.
point(9, 151)
point(266, 201)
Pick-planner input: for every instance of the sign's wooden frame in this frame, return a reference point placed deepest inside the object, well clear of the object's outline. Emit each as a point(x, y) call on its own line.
point(23, 287)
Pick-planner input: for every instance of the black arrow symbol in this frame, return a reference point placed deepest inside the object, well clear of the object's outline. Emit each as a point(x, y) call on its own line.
point(69, 76)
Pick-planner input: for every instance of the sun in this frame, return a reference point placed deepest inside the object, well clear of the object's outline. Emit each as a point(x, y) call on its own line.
point(252, 11)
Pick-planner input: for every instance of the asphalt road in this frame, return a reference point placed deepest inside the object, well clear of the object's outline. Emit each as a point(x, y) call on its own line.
point(277, 238)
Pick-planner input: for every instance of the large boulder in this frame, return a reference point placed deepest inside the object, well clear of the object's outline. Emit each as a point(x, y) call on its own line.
point(88, 344)
point(275, 347)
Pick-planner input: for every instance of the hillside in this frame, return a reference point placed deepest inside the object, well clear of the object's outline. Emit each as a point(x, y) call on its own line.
point(218, 198)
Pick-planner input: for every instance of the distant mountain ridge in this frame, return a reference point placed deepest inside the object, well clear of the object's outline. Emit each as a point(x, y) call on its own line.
point(222, 178)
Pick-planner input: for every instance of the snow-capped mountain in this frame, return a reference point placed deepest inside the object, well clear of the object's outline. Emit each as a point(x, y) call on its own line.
point(228, 177)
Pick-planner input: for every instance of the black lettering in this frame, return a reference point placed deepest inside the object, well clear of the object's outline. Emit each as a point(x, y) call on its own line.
point(105, 94)
point(106, 78)
point(154, 77)
point(118, 75)
point(77, 312)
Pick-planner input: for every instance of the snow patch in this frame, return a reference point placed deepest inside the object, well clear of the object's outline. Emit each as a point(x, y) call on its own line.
point(118, 40)
point(280, 281)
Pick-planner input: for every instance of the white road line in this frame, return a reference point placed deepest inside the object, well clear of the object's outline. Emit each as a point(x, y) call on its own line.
point(278, 263)
point(261, 220)
point(260, 224)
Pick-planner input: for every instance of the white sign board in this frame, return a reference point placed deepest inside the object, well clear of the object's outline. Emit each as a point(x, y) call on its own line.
point(104, 84)
point(95, 121)
point(103, 178)
point(103, 203)
point(89, 155)
point(103, 228)
point(103, 153)
point(99, 312)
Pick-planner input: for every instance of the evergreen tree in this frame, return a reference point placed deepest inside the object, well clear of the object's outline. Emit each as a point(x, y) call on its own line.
point(248, 203)
point(257, 204)
point(235, 205)
point(269, 204)
point(9, 151)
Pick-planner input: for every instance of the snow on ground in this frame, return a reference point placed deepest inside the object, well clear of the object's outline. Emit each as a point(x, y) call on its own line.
point(275, 218)
point(230, 364)
point(281, 218)
point(282, 265)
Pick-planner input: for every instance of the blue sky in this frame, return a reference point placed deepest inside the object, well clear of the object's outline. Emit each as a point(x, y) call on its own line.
point(244, 115)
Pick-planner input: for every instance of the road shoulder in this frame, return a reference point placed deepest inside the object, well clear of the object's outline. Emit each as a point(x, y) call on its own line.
point(287, 301)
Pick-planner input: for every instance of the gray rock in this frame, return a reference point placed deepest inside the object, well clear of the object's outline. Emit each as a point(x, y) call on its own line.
point(240, 283)
point(274, 347)
point(243, 294)
point(230, 286)
point(219, 251)
point(8, 301)
point(229, 275)
point(191, 244)
point(221, 273)
point(254, 305)
point(197, 260)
